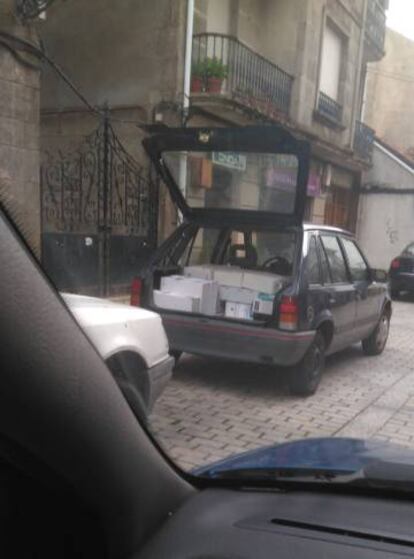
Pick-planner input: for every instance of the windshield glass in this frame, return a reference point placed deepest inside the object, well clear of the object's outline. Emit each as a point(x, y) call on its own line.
point(233, 180)
point(224, 198)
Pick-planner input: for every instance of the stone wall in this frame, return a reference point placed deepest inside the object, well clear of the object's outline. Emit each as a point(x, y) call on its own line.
point(126, 54)
point(19, 134)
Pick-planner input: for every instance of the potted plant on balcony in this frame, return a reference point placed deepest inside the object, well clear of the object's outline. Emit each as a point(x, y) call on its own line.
point(208, 75)
point(198, 77)
point(216, 73)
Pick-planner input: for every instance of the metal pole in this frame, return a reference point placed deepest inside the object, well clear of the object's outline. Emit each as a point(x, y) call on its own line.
point(106, 228)
point(182, 177)
point(188, 58)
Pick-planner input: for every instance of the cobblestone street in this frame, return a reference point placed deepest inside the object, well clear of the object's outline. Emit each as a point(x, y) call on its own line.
point(213, 408)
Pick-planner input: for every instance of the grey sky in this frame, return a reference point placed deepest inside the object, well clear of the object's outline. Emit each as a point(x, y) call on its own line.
point(400, 17)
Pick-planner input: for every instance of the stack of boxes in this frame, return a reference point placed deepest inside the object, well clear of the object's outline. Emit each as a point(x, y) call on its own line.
point(220, 291)
point(188, 294)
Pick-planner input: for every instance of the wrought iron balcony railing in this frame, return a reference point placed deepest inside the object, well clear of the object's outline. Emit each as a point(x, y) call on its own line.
point(375, 24)
point(246, 76)
point(30, 9)
point(363, 140)
point(329, 108)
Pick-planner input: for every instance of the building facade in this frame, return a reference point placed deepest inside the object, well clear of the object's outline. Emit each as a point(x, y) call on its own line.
point(297, 63)
point(386, 206)
point(301, 64)
point(389, 91)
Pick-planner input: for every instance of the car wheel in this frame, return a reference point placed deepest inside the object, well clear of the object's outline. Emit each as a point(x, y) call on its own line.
point(375, 343)
point(305, 377)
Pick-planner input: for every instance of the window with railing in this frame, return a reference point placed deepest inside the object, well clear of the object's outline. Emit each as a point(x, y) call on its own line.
point(331, 73)
point(363, 140)
point(375, 24)
point(329, 108)
point(224, 65)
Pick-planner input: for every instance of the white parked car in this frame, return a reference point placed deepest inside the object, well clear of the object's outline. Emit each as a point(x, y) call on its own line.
point(132, 342)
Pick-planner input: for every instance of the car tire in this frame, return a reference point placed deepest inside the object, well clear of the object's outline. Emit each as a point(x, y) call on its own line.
point(305, 377)
point(376, 342)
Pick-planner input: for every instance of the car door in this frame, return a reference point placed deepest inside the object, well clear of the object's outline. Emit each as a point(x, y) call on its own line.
point(369, 295)
point(340, 292)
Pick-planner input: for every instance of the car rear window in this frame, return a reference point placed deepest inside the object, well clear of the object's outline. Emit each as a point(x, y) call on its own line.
point(230, 180)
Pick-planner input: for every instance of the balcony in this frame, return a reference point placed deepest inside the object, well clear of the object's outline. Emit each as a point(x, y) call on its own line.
point(375, 29)
point(329, 110)
point(363, 141)
point(242, 75)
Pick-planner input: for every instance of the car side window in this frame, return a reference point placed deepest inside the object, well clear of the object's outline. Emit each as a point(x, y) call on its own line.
point(409, 250)
point(326, 275)
point(357, 265)
point(337, 265)
point(312, 262)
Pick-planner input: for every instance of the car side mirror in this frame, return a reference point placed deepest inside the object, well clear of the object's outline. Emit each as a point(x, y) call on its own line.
point(379, 276)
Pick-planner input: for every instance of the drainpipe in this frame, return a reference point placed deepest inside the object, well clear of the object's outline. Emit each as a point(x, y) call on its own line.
point(186, 89)
point(358, 74)
point(188, 57)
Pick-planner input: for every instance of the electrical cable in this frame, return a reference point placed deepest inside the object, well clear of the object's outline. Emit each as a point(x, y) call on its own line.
point(17, 56)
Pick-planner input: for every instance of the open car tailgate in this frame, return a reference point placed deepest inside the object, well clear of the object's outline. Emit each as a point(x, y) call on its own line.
point(259, 170)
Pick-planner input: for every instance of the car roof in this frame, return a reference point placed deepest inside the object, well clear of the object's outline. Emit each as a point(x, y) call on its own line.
point(327, 228)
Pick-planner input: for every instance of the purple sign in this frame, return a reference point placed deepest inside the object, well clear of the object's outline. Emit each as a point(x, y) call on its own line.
point(282, 179)
point(314, 184)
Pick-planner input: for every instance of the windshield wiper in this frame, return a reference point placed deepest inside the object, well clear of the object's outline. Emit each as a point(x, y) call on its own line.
point(379, 475)
point(306, 475)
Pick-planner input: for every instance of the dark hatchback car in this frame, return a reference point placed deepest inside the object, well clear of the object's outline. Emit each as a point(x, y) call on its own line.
point(242, 277)
point(402, 272)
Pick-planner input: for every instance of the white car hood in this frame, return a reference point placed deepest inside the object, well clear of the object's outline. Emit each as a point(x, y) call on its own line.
point(114, 327)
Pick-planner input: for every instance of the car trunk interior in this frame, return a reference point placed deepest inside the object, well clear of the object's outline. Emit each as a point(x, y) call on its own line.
point(225, 274)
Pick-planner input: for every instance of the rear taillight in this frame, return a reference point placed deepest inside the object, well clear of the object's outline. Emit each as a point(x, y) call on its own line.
point(288, 313)
point(395, 264)
point(136, 291)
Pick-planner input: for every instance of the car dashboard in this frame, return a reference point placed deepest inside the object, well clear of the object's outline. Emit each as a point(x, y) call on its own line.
point(241, 524)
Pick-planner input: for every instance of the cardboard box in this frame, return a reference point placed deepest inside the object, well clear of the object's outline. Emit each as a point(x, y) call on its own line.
point(238, 310)
point(176, 301)
point(237, 294)
point(262, 282)
point(204, 290)
point(263, 304)
point(203, 272)
point(227, 275)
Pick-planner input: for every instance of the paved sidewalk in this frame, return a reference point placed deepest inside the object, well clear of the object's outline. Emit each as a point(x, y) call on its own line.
point(213, 408)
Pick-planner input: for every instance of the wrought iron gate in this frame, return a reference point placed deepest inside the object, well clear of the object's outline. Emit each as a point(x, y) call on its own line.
point(99, 215)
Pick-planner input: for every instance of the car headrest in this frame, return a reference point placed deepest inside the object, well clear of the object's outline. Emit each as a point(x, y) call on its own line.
point(242, 255)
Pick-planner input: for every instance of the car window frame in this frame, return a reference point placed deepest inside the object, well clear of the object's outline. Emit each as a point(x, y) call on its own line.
point(351, 240)
point(347, 272)
point(314, 235)
point(406, 251)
